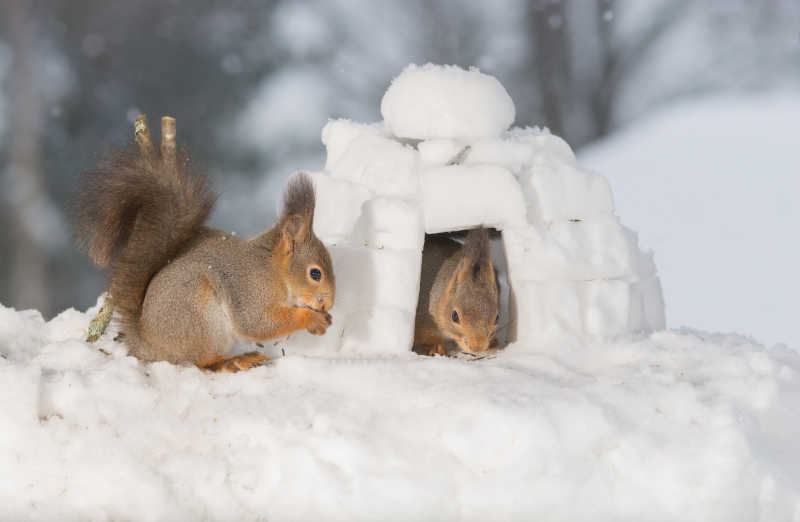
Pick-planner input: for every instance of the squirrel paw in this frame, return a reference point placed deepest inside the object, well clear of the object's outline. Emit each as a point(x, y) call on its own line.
point(239, 363)
point(437, 349)
point(318, 322)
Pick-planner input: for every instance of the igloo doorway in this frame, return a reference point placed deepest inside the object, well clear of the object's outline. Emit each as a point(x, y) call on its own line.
point(505, 320)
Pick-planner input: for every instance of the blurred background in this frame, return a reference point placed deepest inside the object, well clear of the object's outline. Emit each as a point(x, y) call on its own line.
point(691, 108)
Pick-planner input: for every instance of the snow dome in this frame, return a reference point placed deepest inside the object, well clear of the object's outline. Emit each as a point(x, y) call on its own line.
point(445, 160)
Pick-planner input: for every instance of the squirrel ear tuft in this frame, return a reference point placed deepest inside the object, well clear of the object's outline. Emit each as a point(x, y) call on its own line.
point(296, 228)
point(299, 197)
point(477, 253)
point(464, 270)
point(297, 214)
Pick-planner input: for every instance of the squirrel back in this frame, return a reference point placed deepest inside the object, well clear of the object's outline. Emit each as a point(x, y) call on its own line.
point(184, 292)
point(459, 295)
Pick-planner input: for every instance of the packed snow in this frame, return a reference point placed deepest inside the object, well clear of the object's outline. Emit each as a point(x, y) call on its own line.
point(711, 185)
point(593, 412)
point(432, 101)
point(674, 426)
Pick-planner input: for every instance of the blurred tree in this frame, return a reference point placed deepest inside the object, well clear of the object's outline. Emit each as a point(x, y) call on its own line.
point(26, 204)
point(551, 65)
point(581, 59)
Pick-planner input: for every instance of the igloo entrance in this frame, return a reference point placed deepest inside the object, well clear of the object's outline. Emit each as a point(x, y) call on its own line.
point(505, 320)
point(442, 161)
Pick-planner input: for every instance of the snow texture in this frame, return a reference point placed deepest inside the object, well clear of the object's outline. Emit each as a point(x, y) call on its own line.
point(576, 274)
point(674, 426)
point(711, 184)
point(436, 101)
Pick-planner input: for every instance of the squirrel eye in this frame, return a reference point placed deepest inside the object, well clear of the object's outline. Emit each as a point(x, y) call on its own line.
point(497, 319)
point(455, 317)
point(315, 274)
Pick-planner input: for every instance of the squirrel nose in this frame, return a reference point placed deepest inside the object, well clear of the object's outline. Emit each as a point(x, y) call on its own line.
point(476, 345)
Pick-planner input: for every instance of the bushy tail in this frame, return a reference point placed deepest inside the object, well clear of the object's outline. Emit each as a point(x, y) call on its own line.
point(134, 216)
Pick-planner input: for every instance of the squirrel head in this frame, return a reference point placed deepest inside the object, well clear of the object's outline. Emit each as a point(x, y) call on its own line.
point(467, 310)
point(310, 281)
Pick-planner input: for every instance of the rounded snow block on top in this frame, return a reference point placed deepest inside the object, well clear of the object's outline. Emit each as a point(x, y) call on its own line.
point(435, 101)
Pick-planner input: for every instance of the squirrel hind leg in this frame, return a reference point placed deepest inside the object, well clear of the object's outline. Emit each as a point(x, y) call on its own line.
point(237, 363)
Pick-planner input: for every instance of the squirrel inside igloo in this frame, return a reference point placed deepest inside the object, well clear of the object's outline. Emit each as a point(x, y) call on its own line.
point(444, 160)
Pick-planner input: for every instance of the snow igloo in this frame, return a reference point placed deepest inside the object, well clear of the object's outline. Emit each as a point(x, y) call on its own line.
point(444, 159)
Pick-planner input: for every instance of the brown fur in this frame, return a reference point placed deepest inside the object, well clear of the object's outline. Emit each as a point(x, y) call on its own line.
point(184, 292)
point(457, 278)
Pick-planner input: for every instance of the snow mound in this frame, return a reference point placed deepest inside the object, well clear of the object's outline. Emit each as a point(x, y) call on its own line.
point(711, 185)
point(675, 426)
point(436, 101)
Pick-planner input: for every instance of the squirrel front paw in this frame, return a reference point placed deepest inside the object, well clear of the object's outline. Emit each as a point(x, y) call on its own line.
point(318, 322)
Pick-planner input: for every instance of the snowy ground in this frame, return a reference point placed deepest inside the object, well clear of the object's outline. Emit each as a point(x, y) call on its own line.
point(677, 426)
point(711, 185)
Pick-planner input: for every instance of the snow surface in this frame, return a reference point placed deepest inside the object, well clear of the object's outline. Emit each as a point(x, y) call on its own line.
point(711, 185)
point(675, 426)
point(434, 101)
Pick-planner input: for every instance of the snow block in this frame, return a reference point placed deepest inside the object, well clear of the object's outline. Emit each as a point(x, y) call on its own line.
point(519, 148)
point(388, 222)
point(559, 191)
point(435, 101)
point(460, 197)
point(645, 265)
point(579, 310)
point(547, 309)
point(337, 135)
point(338, 206)
point(513, 155)
point(570, 251)
point(378, 331)
point(439, 152)
point(384, 166)
point(370, 278)
point(651, 305)
point(607, 307)
point(544, 143)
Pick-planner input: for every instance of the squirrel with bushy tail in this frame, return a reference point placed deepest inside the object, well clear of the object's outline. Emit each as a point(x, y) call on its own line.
point(187, 293)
